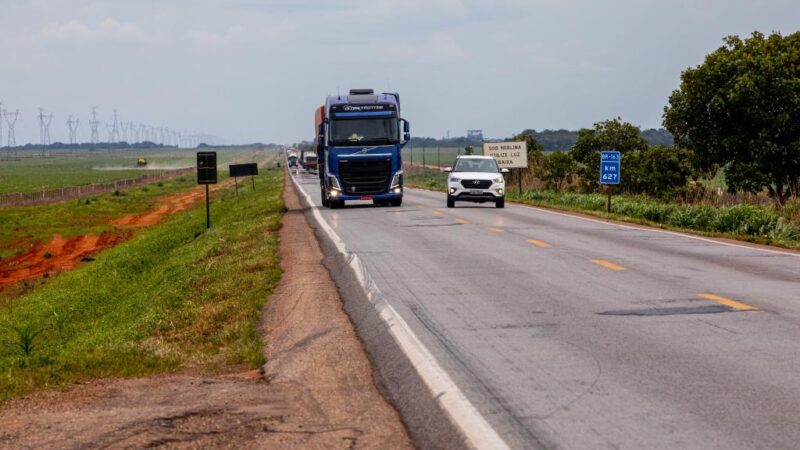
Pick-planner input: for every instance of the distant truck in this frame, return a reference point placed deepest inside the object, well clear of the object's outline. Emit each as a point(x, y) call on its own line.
point(292, 160)
point(309, 161)
point(359, 137)
point(141, 162)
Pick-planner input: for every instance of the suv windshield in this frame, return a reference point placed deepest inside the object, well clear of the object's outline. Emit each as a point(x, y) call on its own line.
point(475, 165)
point(364, 131)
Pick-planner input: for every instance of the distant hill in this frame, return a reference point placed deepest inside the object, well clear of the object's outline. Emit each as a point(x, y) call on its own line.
point(550, 139)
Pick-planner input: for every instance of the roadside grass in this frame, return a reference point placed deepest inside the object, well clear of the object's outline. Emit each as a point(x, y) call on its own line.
point(175, 296)
point(760, 224)
point(80, 167)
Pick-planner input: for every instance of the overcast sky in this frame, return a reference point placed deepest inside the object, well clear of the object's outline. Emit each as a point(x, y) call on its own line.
point(254, 70)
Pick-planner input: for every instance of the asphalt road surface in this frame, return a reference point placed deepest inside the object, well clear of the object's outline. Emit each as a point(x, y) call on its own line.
point(575, 333)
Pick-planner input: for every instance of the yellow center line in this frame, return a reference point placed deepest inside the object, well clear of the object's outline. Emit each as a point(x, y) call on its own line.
point(607, 264)
point(739, 306)
point(460, 221)
point(495, 230)
point(538, 243)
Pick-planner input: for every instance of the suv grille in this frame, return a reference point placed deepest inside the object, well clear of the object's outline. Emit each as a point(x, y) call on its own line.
point(365, 176)
point(476, 184)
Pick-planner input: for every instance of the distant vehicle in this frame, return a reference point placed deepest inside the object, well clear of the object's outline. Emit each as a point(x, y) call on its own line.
point(309, 161)
point(359, 137)
point(141, 162)
point(292, 160)
point(476, 179)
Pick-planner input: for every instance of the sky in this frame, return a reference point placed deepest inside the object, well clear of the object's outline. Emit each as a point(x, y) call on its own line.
point(254, 70)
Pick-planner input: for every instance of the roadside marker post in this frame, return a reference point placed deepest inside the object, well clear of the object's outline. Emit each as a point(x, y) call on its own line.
point(207, 174)
point(610, 165)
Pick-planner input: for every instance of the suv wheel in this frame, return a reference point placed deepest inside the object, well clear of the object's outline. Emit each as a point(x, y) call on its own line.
point(451, 203)
point(500, 203)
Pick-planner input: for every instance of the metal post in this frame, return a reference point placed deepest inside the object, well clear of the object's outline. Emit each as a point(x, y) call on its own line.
point(208, 210)
point(608, 205)
point(253, 179)
point(236, 183)
point(519, 179)
point(423, 156)
point(411, 149)
point(438, 156)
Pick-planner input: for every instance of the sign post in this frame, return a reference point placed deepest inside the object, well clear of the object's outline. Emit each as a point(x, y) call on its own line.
point(509, 155)
point(243, 170)
point(207, 174)
point(609, 172)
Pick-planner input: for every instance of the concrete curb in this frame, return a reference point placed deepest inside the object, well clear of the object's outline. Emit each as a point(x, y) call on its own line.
point(436, 412)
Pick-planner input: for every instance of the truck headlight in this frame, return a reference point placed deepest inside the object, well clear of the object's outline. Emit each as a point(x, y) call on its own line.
point(334, 182)
point(499, 180)
point(397, 179)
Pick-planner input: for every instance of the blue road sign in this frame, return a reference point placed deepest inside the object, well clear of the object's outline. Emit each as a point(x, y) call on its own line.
point(609, 167)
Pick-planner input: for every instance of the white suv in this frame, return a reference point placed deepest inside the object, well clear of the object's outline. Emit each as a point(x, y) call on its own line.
point(476, 179)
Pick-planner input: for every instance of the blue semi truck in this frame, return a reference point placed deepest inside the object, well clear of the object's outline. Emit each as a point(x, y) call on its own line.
point(359, 137)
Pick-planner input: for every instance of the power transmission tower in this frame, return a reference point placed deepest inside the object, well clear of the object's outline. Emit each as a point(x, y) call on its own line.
point(1, 124)
point(94, 123)
point(113, 129)
point(73, 129)
point(11, 120)
point(44, 131)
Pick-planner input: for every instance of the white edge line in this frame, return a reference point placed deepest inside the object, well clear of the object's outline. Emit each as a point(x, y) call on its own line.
point(474, 427)
point(639, 228)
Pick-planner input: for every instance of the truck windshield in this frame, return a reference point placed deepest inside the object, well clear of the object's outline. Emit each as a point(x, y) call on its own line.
point(475, 165)
point(346, 132)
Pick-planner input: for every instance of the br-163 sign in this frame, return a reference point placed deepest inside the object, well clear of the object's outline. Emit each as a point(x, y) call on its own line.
point(509, 155)
point(609, 167)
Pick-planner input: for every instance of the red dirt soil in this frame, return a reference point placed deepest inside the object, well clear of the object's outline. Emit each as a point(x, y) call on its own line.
point(57, 255)
point(61, 254)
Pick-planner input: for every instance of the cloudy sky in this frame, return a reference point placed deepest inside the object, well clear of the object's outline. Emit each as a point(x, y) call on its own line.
point(253, 70)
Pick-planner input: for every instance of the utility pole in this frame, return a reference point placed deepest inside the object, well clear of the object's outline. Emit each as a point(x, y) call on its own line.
point(73, 129)
point(94, 123)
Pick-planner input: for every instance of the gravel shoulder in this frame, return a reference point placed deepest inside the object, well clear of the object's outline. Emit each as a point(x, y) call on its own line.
point(316, 391)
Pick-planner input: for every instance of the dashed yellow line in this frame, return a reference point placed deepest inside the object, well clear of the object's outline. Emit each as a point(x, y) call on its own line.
point(437, 213)
point(733, 304)
point(607, 264)
point(495, 230)
point(538, 243)
point(460, 221)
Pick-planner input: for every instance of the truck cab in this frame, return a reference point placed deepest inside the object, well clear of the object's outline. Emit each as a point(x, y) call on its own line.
point(359, 139)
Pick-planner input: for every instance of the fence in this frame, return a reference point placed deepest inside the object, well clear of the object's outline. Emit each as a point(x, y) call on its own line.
point(72, 192)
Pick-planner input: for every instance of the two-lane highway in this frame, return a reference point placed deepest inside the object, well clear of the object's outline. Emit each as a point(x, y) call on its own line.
point(565, 331)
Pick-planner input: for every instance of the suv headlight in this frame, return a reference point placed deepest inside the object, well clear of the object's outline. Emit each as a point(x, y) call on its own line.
point(499, 179)
point(455, 179)
point(334, 182)
point(397, 179)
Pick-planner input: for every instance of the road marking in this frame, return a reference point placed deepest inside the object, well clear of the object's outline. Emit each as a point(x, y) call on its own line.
point(538, 243)
point(437, 213)
point(495, 230)
point(733, 304)
point(607, 264)
point(460, 221)
point(478, 433)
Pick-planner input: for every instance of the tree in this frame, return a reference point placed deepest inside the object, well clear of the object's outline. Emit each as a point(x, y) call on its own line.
point(741, 109)
point(608, 135)
point(468, 150)
point(661, 172)
point(557, 168)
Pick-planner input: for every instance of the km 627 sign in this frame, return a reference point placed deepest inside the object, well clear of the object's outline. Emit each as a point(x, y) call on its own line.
point(609, 167)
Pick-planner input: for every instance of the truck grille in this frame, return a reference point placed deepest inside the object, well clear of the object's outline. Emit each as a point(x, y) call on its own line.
point(476, 184)
point(365, 176)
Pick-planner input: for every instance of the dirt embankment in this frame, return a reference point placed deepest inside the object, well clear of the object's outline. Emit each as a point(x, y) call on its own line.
point(317, 391)
point(62, 254)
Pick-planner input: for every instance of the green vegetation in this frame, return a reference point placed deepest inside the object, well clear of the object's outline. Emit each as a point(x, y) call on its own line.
point(174, 296)
point(753, 223)
point(740, 110)
point(31, 173)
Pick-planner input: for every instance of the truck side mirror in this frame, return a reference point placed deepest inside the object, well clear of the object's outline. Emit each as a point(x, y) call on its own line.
point(406, 126)
point(407, 137)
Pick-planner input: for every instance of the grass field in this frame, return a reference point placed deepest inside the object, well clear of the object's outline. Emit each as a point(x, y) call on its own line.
point(174, 296)
point(31, 173)
point(762, 224)
point(433, 156)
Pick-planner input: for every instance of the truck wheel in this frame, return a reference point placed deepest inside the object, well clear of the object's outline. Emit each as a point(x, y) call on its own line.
point(501, 203)
point(397, 202)
point(450, 202)
point(325, 201)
